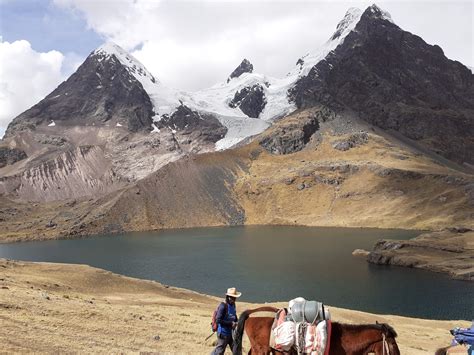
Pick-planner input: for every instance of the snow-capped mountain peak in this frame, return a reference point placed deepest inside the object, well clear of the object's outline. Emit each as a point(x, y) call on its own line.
point(380, 13)
point(134, 66)
point(344, 27)
point(351, 18)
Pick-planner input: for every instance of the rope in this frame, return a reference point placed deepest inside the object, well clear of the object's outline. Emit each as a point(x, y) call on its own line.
point(301, 337)
point(385, 347)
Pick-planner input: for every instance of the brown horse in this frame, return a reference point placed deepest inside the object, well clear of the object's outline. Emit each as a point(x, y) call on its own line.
point(346, 339)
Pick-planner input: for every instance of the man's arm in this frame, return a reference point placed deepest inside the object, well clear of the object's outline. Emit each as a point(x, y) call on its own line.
point(220, 318)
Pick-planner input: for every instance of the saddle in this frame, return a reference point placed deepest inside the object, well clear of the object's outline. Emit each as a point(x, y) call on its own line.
point(305, 327)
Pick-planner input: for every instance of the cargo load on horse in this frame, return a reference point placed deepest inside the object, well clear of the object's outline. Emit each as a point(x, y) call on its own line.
point(303, 326)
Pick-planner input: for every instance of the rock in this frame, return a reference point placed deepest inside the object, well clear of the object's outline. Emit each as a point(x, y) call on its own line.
point(251, 100)
point(290, 136)
point(51, 224)
point(344, 145)
point(360, 252)
point(156, 337)
point(354, 140)
point(10, 156)
point(301, 187)
point(396, 81)
point(289, 181)
point(244, 67)
point(459, 229)
point(189, 122)
point(52, 140)
point(45, 296)
point(154, 143)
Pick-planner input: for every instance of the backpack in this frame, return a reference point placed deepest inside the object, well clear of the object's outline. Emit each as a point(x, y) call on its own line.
point(214, 324)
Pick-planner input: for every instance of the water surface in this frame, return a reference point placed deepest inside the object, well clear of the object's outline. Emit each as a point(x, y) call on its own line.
point(268, 263)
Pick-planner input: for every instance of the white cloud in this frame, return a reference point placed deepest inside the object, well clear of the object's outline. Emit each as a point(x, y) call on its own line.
point(194, 44)
point(26, 76)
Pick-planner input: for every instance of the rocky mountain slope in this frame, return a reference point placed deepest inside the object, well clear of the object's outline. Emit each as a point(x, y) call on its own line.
point(396, 81)
point(348, 138)
point(343, 174)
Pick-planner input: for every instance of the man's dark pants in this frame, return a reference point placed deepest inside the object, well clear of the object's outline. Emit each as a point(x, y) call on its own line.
point(222, 342)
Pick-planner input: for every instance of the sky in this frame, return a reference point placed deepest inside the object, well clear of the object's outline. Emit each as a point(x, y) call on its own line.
point(192, 44)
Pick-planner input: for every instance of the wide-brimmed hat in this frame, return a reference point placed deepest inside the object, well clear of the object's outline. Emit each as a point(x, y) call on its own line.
point(232, 292)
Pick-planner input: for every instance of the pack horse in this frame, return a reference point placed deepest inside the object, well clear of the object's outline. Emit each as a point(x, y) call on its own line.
point(306, 328)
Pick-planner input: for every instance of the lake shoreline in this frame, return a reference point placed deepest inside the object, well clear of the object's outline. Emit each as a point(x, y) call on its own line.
point(62, 235)
point(454, 263)
point(449, 252)
point(66, 307)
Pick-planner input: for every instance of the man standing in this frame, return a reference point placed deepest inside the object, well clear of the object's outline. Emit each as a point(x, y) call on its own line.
point(226, 319)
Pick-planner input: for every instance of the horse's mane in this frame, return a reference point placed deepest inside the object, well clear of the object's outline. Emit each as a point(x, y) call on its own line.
point(383, 327)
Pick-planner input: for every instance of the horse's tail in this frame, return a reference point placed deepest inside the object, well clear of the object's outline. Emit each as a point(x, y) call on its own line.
point(442, 351)
point(239, 331)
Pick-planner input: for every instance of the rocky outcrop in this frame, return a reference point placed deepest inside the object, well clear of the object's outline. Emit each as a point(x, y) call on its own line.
point(10, 156)
point(290, 135)
point(449, 251)
point(352, 141)
point(395, 80)
point(251, 100)
point(192, 123)
point(244, 67)
point(50, 140)
point(101, 90)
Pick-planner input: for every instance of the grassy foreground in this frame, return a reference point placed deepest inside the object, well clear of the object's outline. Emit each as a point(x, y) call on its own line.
point(47, 307)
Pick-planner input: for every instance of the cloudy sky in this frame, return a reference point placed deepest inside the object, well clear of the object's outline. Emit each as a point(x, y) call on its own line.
point(191, 44)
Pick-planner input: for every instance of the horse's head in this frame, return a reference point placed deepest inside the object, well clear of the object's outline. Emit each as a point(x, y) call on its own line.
point(393, 346)
point(387, 330)
point(389, 344)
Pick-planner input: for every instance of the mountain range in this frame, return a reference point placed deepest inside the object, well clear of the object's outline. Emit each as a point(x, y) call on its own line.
point(375, 128)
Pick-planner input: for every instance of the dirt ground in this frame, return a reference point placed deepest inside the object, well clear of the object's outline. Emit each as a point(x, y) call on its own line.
point(46, 307)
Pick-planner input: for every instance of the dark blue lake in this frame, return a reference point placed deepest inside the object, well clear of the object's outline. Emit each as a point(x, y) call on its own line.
point(268, 263)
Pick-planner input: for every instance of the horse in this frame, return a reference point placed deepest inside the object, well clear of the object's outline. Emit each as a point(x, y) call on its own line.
point(345, 339)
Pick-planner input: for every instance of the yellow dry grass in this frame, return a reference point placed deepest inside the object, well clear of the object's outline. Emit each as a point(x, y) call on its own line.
point(46, 308)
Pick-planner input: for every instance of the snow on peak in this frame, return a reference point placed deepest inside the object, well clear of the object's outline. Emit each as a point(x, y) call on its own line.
point(351, 18)
point(164, 99)
point(344, 27)
point(133, 65)
point(376, 11)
